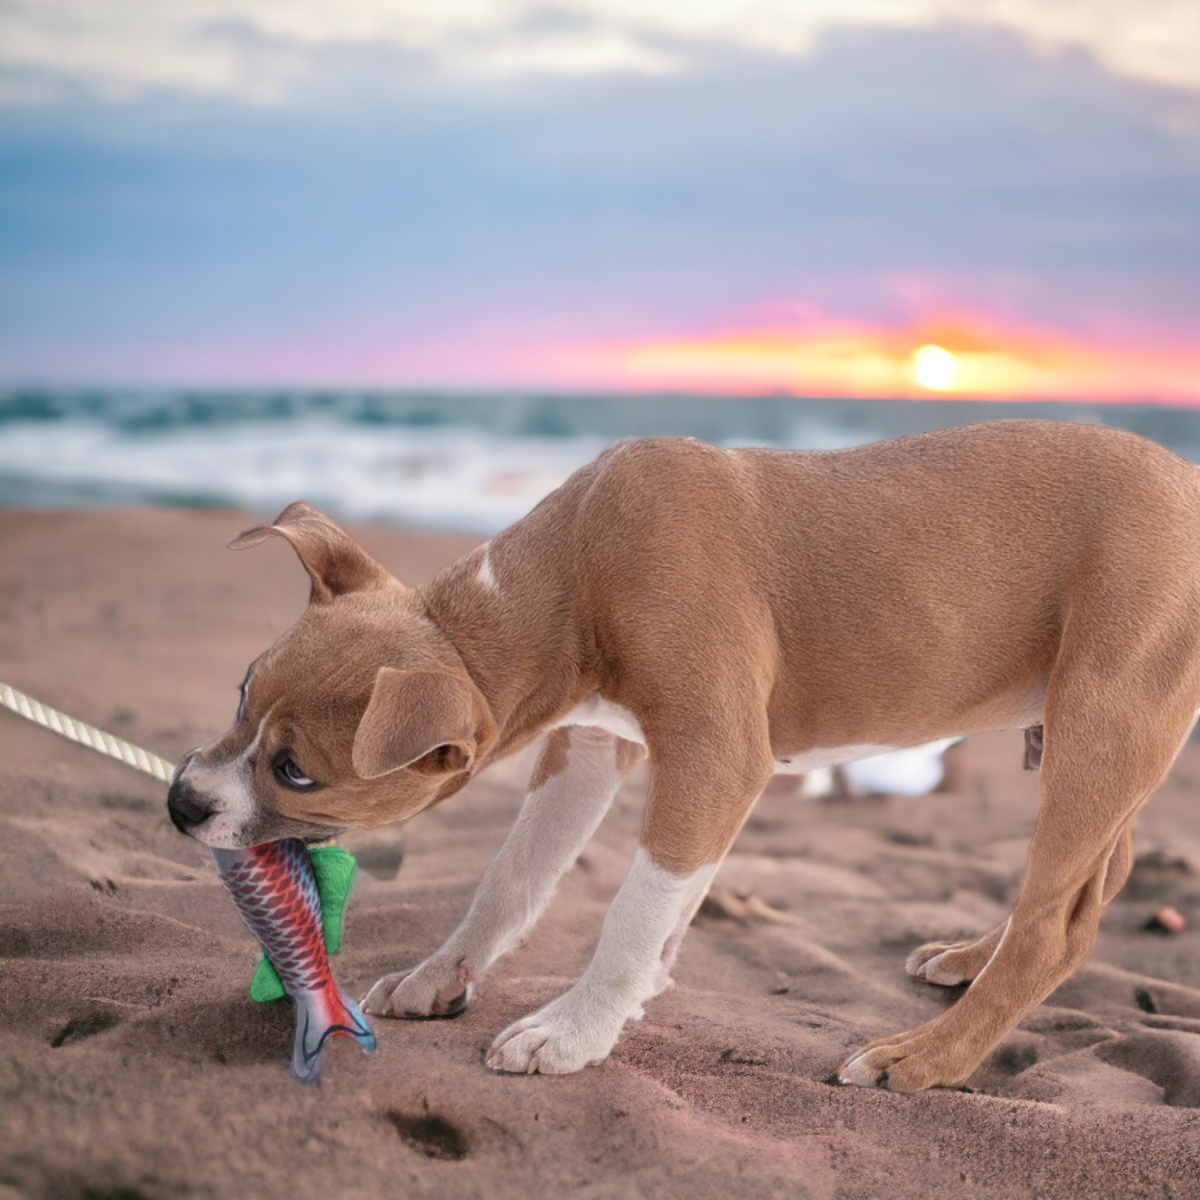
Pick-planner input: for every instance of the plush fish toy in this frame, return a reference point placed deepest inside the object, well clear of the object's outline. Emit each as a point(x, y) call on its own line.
point(274, 888)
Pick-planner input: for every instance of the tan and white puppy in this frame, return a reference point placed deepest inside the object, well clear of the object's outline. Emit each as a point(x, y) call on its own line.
point(734, 613)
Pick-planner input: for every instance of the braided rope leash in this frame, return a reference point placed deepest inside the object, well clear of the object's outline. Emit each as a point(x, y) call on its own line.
point(86, 735)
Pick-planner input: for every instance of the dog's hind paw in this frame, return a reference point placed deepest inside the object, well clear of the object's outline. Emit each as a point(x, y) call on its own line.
point(432, 990)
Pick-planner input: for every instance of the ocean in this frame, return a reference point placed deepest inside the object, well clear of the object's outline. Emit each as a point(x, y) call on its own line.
point(469, 463)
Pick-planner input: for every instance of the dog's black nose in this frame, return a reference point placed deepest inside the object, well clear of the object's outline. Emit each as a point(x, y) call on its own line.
point(186, 807)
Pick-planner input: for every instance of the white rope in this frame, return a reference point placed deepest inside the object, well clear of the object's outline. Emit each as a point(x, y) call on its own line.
point(86, 735)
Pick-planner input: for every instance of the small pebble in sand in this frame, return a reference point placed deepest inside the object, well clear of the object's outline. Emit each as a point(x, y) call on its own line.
point(1167, 920)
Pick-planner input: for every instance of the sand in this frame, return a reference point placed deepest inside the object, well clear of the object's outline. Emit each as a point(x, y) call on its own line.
point(135, 1065)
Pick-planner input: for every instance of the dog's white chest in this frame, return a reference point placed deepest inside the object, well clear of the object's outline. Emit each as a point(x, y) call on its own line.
point(597, 713)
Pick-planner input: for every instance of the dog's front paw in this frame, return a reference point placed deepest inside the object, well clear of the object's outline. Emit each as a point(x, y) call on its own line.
point(434, 989)
point(560, 1039)
point(908, 1062)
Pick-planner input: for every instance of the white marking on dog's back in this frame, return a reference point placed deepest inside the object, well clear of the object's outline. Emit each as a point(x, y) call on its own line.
point(486, 575)
point(597, 713)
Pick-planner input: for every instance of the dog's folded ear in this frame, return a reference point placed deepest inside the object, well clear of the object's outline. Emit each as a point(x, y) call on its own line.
point(418, 714)
point(335, 562)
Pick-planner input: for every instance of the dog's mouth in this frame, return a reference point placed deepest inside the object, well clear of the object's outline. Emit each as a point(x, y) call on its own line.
point(208, 828)
point(274, 827)
point(258, 836)
point(322, 839)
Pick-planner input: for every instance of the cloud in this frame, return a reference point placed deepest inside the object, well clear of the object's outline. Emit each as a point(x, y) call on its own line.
point(885, 178)
point(117, 49)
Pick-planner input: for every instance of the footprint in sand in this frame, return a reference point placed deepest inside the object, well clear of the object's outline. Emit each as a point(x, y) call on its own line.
point(1169, 1059)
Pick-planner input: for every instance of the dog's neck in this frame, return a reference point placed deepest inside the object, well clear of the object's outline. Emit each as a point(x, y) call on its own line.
point(509, 609)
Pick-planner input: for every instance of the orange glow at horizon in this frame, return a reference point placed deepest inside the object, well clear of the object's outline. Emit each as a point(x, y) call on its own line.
point(966, 359)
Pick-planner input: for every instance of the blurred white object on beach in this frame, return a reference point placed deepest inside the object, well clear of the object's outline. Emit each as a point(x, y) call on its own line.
point(914, 771)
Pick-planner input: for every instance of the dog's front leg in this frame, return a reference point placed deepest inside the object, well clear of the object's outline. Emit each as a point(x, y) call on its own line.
point(574, 783)
point(692, 815)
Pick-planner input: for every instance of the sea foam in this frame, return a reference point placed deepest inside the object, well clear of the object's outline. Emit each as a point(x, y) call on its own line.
point(470, 463)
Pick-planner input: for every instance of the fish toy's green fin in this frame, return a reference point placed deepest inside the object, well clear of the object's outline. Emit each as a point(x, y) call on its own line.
point(265, 985)
point(334, 869)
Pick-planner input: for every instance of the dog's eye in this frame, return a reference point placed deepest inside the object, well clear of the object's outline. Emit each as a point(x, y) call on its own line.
point(288, 772)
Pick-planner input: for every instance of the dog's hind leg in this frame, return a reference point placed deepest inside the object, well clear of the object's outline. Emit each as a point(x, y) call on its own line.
point(574, 783)
point(950, 963)
point(1107, 748)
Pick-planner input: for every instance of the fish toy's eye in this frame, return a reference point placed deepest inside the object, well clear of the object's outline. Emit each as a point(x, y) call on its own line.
point(288, 772)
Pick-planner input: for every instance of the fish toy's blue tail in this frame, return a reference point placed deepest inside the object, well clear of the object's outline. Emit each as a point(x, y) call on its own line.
point(320, 1015)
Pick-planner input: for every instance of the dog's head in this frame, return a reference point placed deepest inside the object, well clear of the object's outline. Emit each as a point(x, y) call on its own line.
point(362, 713)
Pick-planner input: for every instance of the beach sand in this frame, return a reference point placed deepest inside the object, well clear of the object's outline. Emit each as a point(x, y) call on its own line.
point(135, 1064)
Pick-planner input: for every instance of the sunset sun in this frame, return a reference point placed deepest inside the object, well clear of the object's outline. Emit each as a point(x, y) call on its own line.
point(934, 368)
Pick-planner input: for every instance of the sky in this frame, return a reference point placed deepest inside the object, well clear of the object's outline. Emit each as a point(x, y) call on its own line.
point(826, 197)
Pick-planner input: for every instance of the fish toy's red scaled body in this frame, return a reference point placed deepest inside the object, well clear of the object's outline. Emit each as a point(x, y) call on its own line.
point(275, 890)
